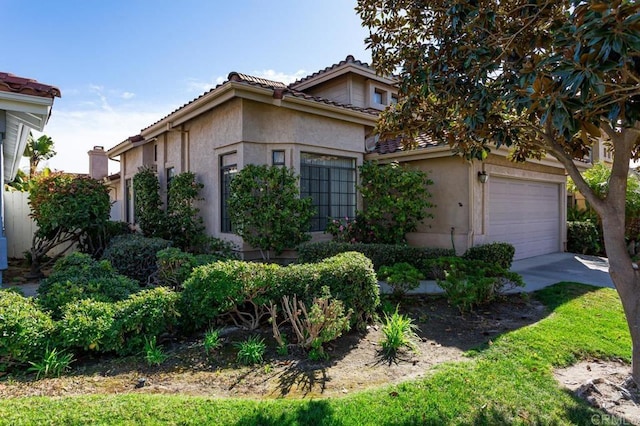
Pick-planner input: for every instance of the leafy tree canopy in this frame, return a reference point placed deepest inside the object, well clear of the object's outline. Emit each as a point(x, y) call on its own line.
point(538, 76)
point(66, 208)
point(38, 150)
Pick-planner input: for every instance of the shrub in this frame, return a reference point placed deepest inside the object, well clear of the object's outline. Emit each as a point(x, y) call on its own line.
point(225, 287)
point(186, 229)
point(53, 364)
point(142, 316)
point(396, 199)
point(135, 256)
point(380, 254)
point(66, 208)
point(399, 331)
point(325, 321)
point(123, 327)
point(499, 253)
point(470, 283)
point(77, 276)
point(266, 210)
point(583, 237)
point(24, 329)
point(95, 241)
point(401, 277)
point(87, 325)
point(175, 266)
point(251, 351)
point(349, 276)
point(148, 205)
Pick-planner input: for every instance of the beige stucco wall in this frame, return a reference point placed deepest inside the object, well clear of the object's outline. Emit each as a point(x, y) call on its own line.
point(461, 199)
point(248, 131)
point(451, 197)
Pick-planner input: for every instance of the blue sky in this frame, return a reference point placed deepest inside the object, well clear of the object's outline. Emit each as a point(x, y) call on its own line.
point(122, 65)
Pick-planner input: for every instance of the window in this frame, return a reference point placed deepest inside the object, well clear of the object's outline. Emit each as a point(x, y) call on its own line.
point(155, 152)
point(394, 99)
point(277, 158)
point(331, 183)
point(228, 170)
point(378, 97)
point(129, 213)
point(171, 173)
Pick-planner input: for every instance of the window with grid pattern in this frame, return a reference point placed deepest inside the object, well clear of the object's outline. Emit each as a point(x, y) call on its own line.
point(331, 183)
point(227, 172)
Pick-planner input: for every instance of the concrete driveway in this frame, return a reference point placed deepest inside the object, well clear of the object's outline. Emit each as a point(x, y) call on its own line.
point(542, 271)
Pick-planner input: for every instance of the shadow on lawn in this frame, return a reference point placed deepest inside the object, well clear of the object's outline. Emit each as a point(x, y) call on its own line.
point(312, 413)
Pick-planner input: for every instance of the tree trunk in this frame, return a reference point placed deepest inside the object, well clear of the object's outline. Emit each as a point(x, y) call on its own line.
point(626, 280)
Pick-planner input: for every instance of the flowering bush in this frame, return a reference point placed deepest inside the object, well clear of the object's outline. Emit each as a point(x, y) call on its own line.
point(342, 230)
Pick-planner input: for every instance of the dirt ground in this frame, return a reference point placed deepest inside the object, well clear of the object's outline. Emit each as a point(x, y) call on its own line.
point(355, 360)
point(604, 385)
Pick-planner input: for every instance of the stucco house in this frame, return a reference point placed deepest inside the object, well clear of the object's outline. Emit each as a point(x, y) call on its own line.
point(25, 105)
point(322, 127)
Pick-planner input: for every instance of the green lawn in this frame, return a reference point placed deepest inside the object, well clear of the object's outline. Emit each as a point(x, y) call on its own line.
point(507, 382)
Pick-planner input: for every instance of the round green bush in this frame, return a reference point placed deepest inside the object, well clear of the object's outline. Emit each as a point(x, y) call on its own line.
point(120, 327)
point(25, 331)
point(76, 277)
point(135, 256)
point(349, 276)
point(87, 324)
point(498, 253)
point(217, 288)
point(144, 315)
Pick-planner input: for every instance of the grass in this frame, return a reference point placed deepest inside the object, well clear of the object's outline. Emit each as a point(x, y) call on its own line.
point(507, 382)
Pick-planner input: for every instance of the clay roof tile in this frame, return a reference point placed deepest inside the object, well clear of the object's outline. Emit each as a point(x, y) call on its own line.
point(12, 83)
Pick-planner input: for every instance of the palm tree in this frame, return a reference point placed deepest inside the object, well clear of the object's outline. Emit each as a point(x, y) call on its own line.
point(38, 150)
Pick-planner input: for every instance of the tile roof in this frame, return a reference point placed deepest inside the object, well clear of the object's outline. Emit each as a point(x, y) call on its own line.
point(236, 76)
point(349, 59)
point(26, 86)
point(279, 89)
point(395, 145)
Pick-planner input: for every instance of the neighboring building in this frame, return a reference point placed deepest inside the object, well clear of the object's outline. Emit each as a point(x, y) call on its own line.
point(25, 105)
point(322, 127)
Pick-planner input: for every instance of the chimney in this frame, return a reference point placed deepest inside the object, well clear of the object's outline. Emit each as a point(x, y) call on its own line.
point(98, 163)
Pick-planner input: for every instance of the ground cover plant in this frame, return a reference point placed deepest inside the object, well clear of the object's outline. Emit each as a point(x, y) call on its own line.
point(511, 380)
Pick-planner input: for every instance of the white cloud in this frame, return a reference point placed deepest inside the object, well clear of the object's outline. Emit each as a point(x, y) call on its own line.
point(199, 87)
point(280, 76)
point(127, 95)
point(77, 132)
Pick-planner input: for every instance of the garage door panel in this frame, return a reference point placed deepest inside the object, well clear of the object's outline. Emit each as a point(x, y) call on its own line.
point(525, 214)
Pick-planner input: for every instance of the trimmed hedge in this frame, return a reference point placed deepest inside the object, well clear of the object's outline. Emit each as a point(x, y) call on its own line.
point(120, 327)
point(218, 288)
point(25, 331)
point(144, 315)
point(500, 254)
point(349, 276)
point(583, 237)
point(135, 256)
point(175, 265)
point(87, 325)
point(77, 276)
point(380, 254)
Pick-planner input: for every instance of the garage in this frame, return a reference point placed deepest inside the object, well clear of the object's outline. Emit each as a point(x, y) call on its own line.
point(525, 214)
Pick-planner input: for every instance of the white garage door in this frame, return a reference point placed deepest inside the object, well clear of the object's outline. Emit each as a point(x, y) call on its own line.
point(525, 214)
